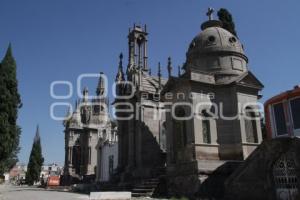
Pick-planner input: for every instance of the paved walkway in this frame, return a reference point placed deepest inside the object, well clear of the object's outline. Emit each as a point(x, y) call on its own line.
point(8, 192)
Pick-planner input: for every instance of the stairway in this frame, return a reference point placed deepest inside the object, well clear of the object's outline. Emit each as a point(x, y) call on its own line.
point(145, 188)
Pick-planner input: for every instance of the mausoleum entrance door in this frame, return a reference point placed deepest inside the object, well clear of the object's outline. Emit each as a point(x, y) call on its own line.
point(285, 178)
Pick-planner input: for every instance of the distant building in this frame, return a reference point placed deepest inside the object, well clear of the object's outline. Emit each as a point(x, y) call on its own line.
point(18, 172)
point(283, 114)
point(6, 177)
point(51, 170)
point(87, 131)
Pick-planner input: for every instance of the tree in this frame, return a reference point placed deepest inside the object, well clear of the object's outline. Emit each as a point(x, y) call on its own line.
point(226, 18)
point(36, 160)
point(10, 102)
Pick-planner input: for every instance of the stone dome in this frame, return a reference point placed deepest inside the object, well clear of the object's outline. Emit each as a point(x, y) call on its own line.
point(216, 50)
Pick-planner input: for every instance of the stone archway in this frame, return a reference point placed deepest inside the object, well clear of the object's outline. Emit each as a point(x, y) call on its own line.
point(285, 178)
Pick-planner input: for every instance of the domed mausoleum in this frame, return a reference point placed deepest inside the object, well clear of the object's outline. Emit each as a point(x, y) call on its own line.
point(217, 51)
point(215, 106)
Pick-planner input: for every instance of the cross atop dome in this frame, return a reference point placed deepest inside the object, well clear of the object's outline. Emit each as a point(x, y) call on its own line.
point(210, 13)
point(211, 22)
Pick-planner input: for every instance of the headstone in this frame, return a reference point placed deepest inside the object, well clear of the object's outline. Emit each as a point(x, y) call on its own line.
point(110, 195)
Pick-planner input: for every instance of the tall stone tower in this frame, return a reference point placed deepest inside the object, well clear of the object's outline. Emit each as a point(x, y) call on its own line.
point(137, 53)
point(141, 134)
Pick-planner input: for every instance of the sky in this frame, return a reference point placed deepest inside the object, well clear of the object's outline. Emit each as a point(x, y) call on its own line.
point(58, 40)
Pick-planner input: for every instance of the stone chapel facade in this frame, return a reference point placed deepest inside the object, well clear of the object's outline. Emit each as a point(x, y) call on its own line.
point(88, 132)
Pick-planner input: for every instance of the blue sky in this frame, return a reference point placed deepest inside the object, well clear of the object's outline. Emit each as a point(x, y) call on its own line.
point(61, 39)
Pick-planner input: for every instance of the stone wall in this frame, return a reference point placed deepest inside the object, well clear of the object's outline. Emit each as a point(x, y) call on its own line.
point(255, 179)
point(251, 179)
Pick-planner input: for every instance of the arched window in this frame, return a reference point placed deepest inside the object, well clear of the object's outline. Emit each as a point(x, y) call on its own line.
point(76, 156)
point(206, 127)
point(96, 109)
point(250, 126)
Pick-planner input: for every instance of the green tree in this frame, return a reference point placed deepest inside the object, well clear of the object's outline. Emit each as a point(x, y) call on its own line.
point(36, 160)
point(10, 102)
point(226, 18)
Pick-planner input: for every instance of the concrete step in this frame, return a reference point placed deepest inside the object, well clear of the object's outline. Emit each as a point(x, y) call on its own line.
point(146, 186)
point(136, 194)
point(142, 190)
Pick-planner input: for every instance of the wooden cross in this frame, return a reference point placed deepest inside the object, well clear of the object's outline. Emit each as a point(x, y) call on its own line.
point(210, 13)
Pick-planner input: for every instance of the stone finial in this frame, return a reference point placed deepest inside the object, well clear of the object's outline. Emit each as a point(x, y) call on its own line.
point(150, 72)
point(159, 75)
point(210, 13)
point(100, 87)
point(121, 57)
point(159, 70)
point(169, 67)
point(121, 62)
point(120, 74)
point(85, 93)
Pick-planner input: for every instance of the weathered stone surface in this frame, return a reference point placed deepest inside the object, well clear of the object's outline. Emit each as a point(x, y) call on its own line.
point(255, 179)
point(208, 183)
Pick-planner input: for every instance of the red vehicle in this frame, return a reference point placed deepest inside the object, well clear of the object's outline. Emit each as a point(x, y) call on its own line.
point(53, 181)
point(283, 114)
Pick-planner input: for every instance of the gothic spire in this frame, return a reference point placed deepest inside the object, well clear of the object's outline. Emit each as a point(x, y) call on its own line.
point(100, 87)
point(120, 74)
point(169, 67)
point(159, 75)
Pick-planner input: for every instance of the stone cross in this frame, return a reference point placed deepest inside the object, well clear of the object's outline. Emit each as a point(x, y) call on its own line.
point(210, 13)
